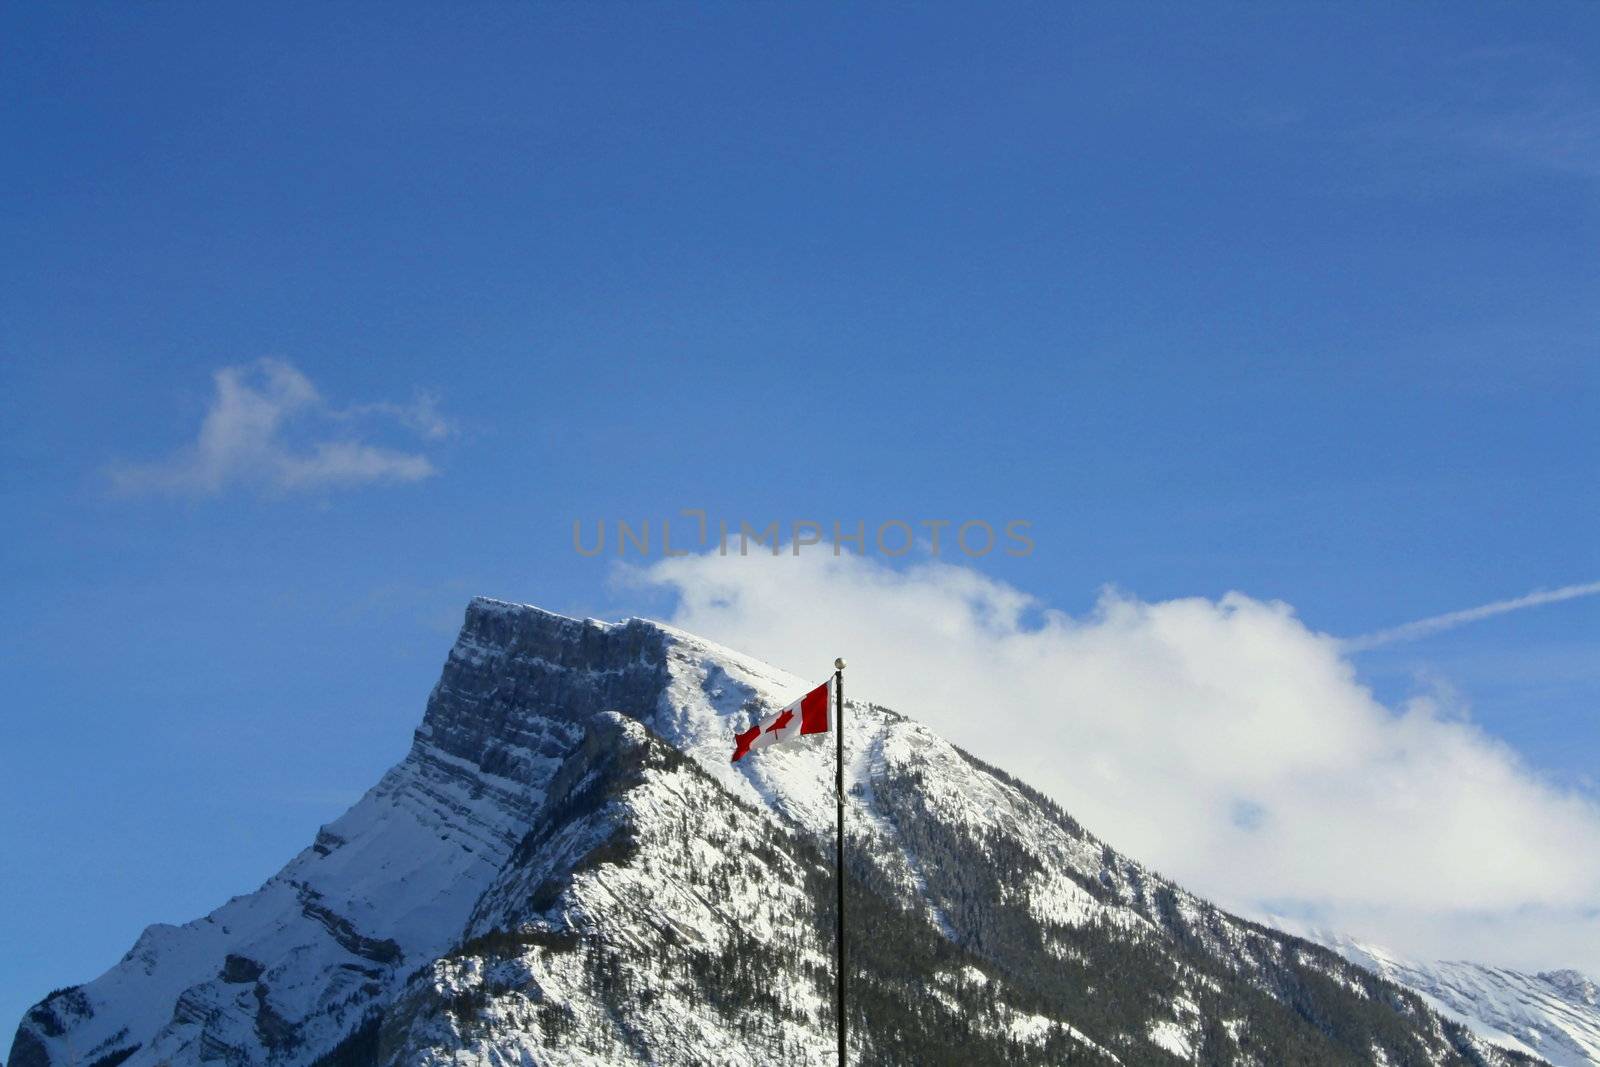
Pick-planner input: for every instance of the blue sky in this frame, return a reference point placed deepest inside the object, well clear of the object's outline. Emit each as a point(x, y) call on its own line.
point(1298, 302)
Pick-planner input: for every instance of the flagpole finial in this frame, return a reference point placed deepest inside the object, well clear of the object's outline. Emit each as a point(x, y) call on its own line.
point(839, 663)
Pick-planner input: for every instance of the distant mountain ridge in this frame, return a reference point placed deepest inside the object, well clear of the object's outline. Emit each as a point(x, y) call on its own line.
point(1554, 1015)
point(566, 869)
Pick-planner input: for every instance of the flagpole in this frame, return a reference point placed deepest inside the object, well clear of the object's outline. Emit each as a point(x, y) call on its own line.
point(838, 841)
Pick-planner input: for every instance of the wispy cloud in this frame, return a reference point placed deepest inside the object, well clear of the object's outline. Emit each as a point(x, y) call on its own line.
point(421, 415)
point(267, 426)
point(1530, 108)
point(1450, 620)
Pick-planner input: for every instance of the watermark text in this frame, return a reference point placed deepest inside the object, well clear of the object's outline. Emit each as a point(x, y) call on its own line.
point(696, 532)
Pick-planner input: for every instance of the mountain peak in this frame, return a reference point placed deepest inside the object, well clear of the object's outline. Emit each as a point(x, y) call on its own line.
point(1579, 987)
point(566, 867)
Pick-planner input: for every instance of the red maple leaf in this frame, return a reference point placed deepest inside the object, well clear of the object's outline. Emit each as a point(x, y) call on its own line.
point(743, 742)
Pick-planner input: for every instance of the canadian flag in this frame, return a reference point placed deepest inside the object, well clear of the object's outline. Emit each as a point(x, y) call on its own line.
point(808, 715)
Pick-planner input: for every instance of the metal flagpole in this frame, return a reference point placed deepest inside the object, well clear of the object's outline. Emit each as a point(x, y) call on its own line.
point(838, 859)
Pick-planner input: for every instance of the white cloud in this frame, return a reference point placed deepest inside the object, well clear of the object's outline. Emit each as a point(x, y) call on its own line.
point(268, 426)
point(1223, 742)
point(1411, 631)
point(421, 415)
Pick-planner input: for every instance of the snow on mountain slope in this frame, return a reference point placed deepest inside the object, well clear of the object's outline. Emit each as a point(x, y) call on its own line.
point(286, 971)
point(1554, 1015)
point(567, 869)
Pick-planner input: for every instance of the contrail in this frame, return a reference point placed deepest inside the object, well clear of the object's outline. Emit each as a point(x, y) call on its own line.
point(1450, 620)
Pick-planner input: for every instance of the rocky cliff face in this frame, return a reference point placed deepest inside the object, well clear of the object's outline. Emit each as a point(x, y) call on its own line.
point(283, 973)
point(566, 869)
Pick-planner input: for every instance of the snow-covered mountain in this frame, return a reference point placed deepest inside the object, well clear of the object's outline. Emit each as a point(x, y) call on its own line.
point(1554, 1015)
point(565, 869)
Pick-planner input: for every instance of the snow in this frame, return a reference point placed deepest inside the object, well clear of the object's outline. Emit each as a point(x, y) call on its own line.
point(1172, 1037)
point(420, 863)
point(1555, 1016)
